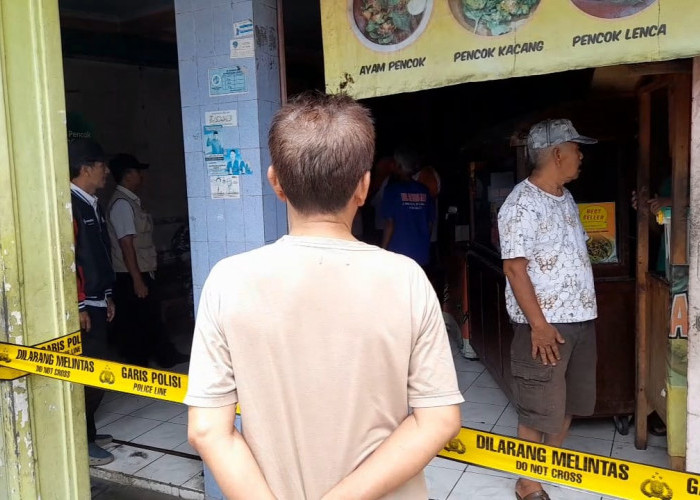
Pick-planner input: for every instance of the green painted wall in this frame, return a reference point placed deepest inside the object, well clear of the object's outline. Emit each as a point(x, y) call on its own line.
point(42, 425)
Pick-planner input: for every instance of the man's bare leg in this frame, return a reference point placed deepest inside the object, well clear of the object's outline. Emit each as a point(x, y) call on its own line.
point(558, 439)
point(526, 486)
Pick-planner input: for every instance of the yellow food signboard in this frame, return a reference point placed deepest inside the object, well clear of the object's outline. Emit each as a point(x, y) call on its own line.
point(598, 221)
point(381, 47)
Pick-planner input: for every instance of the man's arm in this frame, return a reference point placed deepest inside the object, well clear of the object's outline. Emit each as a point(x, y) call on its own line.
point(388, 232)
point(129, 253)
point(544, 335)
point(402, 455)
point(212, 433)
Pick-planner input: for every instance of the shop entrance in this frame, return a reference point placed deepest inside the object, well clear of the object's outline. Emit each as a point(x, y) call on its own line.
point(474, 135)
point(122, 90)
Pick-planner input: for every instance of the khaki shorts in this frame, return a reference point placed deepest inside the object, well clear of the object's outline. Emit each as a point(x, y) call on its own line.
point(544, 395)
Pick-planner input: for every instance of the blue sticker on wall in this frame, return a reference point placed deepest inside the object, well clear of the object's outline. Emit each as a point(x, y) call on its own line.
point(227, 81)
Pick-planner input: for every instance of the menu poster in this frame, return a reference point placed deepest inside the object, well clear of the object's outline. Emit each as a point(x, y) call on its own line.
point(381, 47)
point(598, 221)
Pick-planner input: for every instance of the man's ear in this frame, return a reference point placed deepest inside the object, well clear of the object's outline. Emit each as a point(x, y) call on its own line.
point(275, 183)
point(362, 189)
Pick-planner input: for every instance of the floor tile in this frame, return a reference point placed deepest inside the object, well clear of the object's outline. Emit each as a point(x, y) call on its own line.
point(196, 483)
point(171, 469)
point(658, 441)
point(509, 418)
point(125, 404)
point(600, 428)
point(589, 445)
point(180, 419)
point(447, 464)
point(479, 426)
point(127, 427)
point(466, 379)
point(160, 410)
point(440, 481)
point(562, 493)
point(486, 380)
point(651, 456)
point(128, 459)
point(486, 395)
point(107, 490)
point(111, 395)
point(103, 418)
point(186, 448)
point(505, 431)
point(465, 365)
point(167, 436)
point(480, 412)
point(491, 472)
point(477, 486)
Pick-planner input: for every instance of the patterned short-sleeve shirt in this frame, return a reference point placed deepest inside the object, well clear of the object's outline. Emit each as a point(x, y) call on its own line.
point(546, 230)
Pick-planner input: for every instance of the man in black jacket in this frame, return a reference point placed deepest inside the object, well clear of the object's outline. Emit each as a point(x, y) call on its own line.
point(88, 172)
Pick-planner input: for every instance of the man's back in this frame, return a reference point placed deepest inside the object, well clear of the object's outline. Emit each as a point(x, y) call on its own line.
point(410, 206)
point(329, 342)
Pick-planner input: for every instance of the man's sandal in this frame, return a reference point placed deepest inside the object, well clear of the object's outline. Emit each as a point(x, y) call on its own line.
point(535, 495)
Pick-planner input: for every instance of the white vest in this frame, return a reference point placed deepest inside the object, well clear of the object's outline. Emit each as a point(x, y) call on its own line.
point(146, 255)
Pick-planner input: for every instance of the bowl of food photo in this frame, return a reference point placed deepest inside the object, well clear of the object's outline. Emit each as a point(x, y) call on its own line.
point(600, 249)
point(389, 25)
point(612, 9)
point(492, 17)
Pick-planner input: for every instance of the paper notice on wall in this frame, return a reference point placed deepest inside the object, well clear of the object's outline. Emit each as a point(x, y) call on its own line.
point(242, 47)
point(235, 164)
point(227, 81)
point(225, 187)
point(598, 220)
point(213, 143)
point(216, 168)
point(224, 118)
point(243, 28)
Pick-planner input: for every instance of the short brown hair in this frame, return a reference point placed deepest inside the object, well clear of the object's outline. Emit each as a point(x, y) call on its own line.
point(321, 146)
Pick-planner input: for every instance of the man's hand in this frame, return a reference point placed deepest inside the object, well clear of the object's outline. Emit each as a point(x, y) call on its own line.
point(635, 200)
point(657, 203)
point(85, 324)
point(544, 344)
point(140, 289)
point(111, 309)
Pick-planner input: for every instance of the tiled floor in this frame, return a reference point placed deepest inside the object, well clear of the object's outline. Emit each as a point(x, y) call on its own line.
point(162, 426)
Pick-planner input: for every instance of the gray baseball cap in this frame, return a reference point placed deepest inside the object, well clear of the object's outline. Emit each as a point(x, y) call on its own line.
point(552, 132)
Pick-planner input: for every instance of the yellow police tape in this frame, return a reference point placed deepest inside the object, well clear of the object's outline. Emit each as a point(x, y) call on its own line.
point(592, 473)
point(94, 372)
point(68, 344)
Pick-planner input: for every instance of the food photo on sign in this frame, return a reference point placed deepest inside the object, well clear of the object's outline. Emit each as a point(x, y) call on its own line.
point(492, 17)
point(612, 9)
point(388, 25)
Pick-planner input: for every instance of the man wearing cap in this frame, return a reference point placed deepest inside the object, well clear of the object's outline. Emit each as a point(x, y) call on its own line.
point(138, 329)
point(550, 294)
point(88, 173)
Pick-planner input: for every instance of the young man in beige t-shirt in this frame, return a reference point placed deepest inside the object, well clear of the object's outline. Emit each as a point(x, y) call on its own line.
point(327, 343)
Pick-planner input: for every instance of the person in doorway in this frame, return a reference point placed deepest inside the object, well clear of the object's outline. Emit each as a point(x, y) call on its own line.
point(305, 371)
point(550, 295)
point(138, 329)
point(88, 173)
point(382, 173)
point(408, 211)
point(430, 178)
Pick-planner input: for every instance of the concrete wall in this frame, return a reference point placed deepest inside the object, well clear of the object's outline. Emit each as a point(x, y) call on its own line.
point(693, 424)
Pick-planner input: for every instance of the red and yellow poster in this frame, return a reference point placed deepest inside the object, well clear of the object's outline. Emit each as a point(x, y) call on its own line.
point(598, 221)
point(381, 47)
